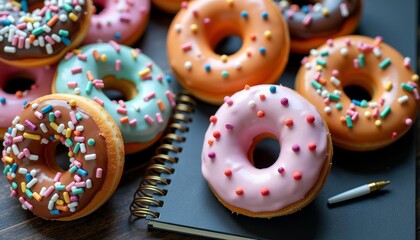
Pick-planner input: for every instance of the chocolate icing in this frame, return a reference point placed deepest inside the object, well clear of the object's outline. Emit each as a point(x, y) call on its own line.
point(46, 166)
point(321, 26)
point(37, 51)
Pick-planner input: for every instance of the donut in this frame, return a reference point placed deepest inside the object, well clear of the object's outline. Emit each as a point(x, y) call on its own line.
point(14, 94)
point(94, 158)
point(39, 33)
point(143, 111)
point(333, 76)
point(242, 121)
point(201, 25)
point(312, 24)
point(123, 21)
point(169, 6)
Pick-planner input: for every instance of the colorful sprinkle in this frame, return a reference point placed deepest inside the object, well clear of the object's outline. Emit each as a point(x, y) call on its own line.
point(284, 101)
point(297, 175)
point(349, 121)
point(310, 118)
point(264, 15)
point(216, 134)
point(312, 147)
point(385, 63)
point(265, 191)
point(273, 89)
point(225, 74)
point(244, 14)
point(228, 172)
point(288, 122)
point(239, 191)
point(407, 87)
point(385, 112)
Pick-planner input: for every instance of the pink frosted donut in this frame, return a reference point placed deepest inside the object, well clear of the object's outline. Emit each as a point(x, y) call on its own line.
point(298, 174)
point(123, 21)
point(11, 104)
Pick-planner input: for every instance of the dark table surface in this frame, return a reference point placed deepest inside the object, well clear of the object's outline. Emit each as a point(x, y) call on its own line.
point(113, 220)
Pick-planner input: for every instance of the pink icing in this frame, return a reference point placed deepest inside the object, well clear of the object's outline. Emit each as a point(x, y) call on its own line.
point(261, 109)
point(118, 21)
point(13, 105)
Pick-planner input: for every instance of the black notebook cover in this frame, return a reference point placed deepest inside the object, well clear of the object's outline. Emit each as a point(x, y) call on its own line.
point(190, 207)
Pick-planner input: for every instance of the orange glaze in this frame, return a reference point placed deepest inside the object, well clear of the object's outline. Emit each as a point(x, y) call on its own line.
point(201, 25)
point(170, 6)
point(377, 68)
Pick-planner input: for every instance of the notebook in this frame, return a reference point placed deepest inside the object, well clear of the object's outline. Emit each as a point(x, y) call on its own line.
point(174, 196)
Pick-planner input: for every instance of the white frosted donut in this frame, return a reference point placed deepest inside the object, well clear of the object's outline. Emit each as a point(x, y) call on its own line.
point(294, 179)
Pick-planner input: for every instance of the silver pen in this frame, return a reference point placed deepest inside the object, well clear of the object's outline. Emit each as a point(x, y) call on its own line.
point(358, 191)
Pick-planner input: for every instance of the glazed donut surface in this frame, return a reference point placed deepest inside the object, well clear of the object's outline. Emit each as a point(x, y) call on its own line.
point(38, 33)
point(170, 6)
point(312, 24)
point(123, 21)
point(372, 65)
point(12, 103)
point(298, 174)
point(143, 114)
point(201, 25)
point(95, 157)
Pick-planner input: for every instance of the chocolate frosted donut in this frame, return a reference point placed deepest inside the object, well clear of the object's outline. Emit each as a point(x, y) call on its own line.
point(95, 151)
point(36, 33)
point(311, 24)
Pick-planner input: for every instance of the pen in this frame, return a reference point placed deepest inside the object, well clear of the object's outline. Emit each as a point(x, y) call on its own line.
point(358, 191)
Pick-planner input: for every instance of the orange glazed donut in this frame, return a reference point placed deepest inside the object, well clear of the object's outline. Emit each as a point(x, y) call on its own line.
point(361, 123)
point(38, 33)
point(170, 6)
point(199, 26)
point(95, 157)
point(312, 24)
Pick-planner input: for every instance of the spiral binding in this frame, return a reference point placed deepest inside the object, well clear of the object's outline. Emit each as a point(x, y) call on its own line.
point(160, 167)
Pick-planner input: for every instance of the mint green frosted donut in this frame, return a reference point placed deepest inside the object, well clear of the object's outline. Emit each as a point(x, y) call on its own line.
point(101, 66)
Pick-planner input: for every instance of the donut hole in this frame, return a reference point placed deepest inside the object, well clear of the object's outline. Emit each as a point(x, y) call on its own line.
point(264, 151)
point(61, 157)
point(357, 92)
point(223, 35)
point(119, 89)
point(228, 45)
point(56, 155)
point(302, 3)
point(35, 5)
point(19, 83)
point(99, 6)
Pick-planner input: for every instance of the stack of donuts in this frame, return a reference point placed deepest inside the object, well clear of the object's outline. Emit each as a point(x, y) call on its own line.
point(74, 54)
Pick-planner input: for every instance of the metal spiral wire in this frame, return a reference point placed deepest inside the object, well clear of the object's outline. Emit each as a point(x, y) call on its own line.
point(156, 173)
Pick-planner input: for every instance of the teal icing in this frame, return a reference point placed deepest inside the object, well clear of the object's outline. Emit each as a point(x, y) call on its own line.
point(138, 107)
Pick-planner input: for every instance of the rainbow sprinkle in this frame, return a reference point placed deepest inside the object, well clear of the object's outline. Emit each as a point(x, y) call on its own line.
point(41, 28)
point(374, 111)
point(62, 198)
